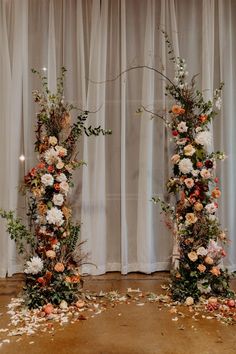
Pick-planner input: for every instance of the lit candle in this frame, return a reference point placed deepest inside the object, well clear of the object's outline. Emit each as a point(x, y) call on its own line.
point(22, 158)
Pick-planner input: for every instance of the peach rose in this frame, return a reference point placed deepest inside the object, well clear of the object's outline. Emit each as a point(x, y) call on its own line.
point(80, 304)
point(205, 173)
point(178, 109)
point(216, 193)
point(48, 308)
point(201, 268)
point(189, 182)
point(193, 256)
point(59, 267)
point(215, 271)
point(208, 260)
point(191, 218)
point(199, 164)
point(51, 254)
point(198, 206)
point(175, 158)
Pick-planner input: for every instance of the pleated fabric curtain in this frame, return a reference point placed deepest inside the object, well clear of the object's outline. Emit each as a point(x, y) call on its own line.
point(96, 41)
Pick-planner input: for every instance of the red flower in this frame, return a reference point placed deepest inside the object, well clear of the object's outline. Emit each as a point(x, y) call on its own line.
point(56, 186)
point(175, 132)
point(40, 165)
point(33, 172)
point(199, 164)
point(50, 168)
point(216, 180)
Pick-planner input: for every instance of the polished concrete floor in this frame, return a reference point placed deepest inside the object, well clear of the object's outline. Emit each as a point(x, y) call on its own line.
point(124, 329)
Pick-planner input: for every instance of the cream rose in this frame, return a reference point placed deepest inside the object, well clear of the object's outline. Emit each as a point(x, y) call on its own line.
point(198, 206)
point(51, 254)
point(189, 150)
point(192, 256)
point(205, 173)
point(52, 140)
point(189, 301)
point(191, 218)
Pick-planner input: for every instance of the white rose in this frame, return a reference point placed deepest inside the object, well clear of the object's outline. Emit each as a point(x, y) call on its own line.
point(47, 180)
point(61, 177)
point(58, 199)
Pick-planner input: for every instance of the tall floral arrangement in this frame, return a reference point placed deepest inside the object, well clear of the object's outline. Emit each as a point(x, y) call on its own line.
point(51, 242)
point(193, 218)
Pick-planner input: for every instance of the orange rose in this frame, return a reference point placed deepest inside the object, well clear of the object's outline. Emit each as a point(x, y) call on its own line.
point(48, 309)
point(198, 206)
point(41, 165)
point(216, 193)
point(203, 118)
point(59, 267)
point(50, 168)
point(215, 271)
point(75, 279)
point(41, 280)
point(178, 110)
point(199, 164)
point(208, 260)
point(201, 268)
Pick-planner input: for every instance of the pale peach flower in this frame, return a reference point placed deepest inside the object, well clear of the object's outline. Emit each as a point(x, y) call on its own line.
point(198, 206)
point(215, 271)
point(59, 267)
point(189, 182)
point(51, 254)
point(189, 301)
point(175, 158)
point(216, 193)
point(205, 173)
point(193, 256)
point(208, 260)
point(191, 218)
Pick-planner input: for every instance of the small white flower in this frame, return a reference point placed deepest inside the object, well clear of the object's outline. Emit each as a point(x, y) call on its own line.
point(34, 265)
point(198, 129)
point(218, 103)
point(182, 127)
point(195, 173)
point(55, 216)
point(212, 217)
point(58, 199)
point(47, 180)
point(185, 166)
point(59, 164)
point(181, 141)
point(52, 140)
point(211, 208)
point(204, 138)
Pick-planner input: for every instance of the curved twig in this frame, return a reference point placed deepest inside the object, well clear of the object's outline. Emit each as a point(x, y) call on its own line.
point(132, 68)
point(153, 113)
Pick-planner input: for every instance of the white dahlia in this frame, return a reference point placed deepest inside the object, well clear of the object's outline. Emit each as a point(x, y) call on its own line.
point(211, 208)
point(51, 156)
point(55, 216)
point(34, 265)
point(204, 138)
point(47, 179)
point(58, 199)
point(185, 166)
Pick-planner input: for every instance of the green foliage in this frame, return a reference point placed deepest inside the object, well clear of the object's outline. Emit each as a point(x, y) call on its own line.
point(18, 231)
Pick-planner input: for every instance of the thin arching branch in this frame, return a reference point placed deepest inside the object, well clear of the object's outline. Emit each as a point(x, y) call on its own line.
point(153, 113)
point(133, 68)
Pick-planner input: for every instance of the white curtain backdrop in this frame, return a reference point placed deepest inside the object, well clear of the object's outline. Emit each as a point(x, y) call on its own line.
point(96, 40)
